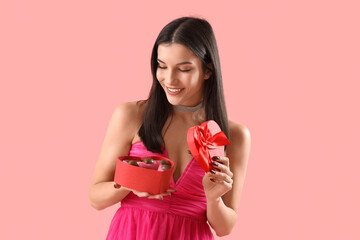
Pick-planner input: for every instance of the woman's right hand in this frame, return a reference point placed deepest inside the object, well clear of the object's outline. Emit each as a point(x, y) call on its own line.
point(148, 195)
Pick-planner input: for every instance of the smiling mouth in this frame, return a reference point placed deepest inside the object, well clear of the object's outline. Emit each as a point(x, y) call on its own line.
point(174, 90)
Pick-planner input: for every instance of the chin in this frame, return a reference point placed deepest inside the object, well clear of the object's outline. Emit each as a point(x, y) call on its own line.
point(174, 102)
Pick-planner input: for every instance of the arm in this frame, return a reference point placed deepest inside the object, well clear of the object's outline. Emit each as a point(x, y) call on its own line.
point(119, 135)
point(223, 195)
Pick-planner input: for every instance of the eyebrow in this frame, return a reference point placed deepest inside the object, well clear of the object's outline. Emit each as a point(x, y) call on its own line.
point(177, 63)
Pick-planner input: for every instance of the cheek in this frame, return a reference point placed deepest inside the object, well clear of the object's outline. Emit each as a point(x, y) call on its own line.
point(195, 81)
point(159, 76)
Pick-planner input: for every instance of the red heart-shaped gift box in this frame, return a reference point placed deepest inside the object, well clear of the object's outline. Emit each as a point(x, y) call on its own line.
point(206, 141)
point(143, 179)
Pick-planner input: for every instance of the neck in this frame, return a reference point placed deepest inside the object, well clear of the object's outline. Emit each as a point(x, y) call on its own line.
point(192, 115)
point(187, 109)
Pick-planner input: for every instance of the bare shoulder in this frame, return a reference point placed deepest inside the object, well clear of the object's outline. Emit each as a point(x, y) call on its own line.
point(129, 112)
point(131, 109)
point(240, 141)
point(238, 131)
point(123, 125)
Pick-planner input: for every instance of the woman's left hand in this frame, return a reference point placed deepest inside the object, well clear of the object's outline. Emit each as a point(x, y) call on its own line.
point(218, 181)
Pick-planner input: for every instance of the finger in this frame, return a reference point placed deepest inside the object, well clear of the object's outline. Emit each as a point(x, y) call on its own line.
point(148, 195)
point(224, 160)
point(222, 168)
point(211, 177)
point(160, 195)
point(157, 196)
point(137, 193)
point(170, 190)
point(141, 194)
point(216, 175)
point(226, 184)
point(166, 194)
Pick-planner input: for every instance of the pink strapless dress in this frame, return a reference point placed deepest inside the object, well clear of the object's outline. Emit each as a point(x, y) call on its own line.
point(181, 216)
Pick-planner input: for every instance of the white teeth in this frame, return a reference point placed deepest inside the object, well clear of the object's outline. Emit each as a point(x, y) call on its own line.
point(174, 90)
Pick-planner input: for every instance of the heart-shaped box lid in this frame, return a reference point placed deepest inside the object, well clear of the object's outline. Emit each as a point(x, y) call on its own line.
point(205, 141)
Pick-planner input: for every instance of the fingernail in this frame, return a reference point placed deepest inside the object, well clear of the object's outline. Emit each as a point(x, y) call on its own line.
point(215, 157)
point(212, 171)
point(215, 163)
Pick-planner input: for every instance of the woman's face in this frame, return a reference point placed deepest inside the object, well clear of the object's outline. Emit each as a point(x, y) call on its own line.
point(180, 74)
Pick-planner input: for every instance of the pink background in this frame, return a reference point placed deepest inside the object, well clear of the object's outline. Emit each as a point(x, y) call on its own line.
point(291, 74)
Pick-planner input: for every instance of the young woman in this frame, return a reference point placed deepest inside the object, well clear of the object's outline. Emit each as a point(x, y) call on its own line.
point(186, 91)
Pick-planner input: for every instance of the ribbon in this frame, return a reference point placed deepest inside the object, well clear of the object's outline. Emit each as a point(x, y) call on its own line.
point(204, 140)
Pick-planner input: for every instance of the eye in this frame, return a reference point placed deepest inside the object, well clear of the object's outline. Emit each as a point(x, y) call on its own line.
point(186, 70)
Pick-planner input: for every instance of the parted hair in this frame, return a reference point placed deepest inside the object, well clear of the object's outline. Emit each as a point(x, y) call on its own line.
point(197, 35)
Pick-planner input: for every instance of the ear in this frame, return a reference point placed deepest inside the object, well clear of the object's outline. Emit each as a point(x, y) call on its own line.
point(208, 73)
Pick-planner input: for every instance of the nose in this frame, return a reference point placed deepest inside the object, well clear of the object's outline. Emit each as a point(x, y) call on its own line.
point(170, 78)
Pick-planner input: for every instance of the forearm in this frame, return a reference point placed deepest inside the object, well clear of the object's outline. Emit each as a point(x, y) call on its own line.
point(103, 195)
point(221, 218)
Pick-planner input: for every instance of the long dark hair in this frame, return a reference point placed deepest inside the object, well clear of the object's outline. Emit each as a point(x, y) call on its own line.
point(197, 35)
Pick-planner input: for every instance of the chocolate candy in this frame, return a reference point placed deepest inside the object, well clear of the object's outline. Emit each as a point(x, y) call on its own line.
point(148, 160)
point(164, 162)
point(165, 167)
point(149, 163)
point(133, 162)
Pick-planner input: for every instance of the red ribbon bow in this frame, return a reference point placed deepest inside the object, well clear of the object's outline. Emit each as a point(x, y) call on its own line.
point(204, 141)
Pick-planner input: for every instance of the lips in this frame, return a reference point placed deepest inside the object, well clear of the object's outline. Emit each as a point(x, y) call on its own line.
point(173, 91)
